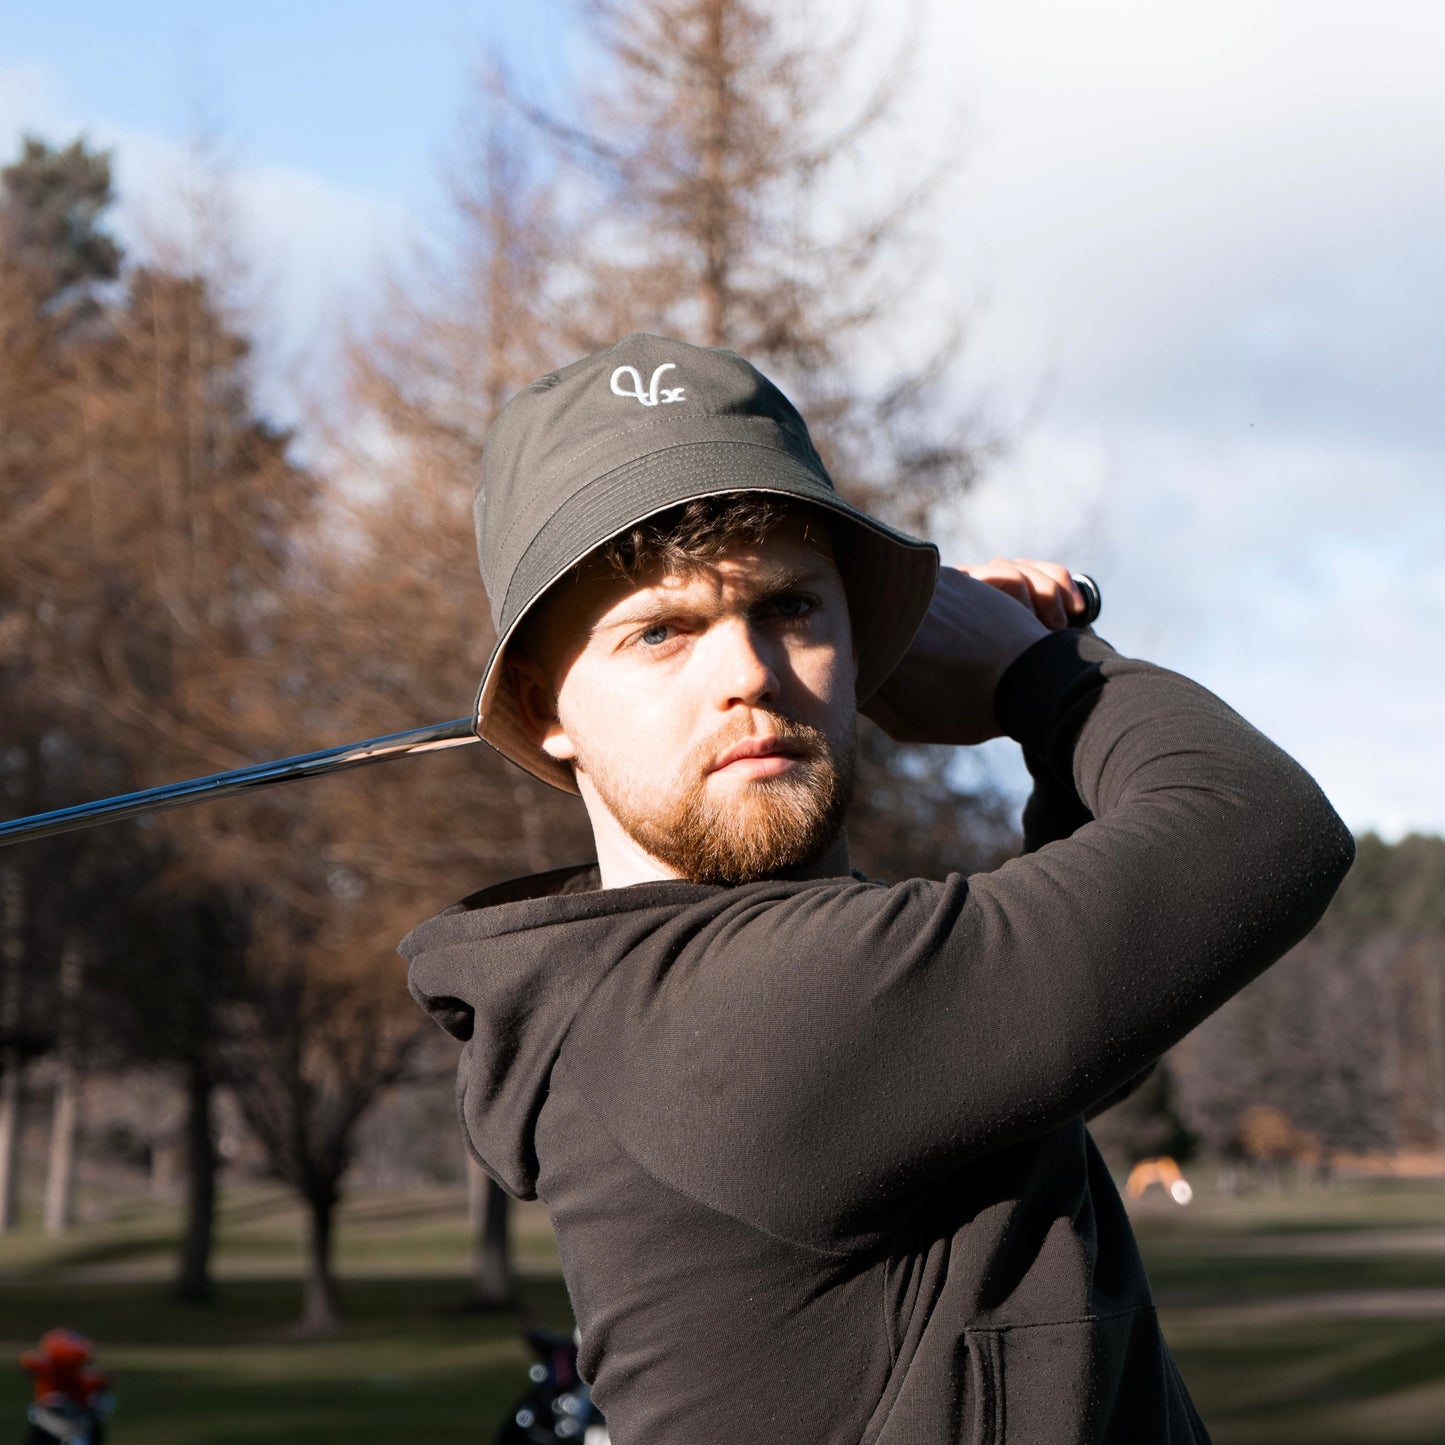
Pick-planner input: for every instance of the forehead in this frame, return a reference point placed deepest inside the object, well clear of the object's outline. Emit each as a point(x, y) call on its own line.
point(797, 550)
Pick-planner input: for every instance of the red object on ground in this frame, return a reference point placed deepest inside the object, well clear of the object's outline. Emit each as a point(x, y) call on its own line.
point(58, 1367)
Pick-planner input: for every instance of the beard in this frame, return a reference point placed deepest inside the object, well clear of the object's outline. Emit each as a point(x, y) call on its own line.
point(758, 829)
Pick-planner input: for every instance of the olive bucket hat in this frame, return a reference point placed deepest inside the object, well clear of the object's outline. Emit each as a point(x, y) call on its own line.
point(601, 445)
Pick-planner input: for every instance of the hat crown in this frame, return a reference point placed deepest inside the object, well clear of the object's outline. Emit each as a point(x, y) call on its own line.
point(643, 394)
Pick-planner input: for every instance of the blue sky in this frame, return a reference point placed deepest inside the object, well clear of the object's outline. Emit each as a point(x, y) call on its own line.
point(358, 92)
point(1201, 247)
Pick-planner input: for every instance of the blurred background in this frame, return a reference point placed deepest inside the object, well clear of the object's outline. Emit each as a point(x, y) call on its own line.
point(1153, 290)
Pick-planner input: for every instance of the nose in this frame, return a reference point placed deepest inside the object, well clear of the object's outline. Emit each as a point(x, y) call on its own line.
point(744, 665)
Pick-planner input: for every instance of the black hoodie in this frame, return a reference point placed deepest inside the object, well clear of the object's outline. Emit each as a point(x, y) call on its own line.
point(814, 1151)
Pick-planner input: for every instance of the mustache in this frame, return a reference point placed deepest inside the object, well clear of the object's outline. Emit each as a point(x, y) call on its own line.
point(801, 740)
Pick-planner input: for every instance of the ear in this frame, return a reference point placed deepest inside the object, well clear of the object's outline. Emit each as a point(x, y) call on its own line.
point(537, 704)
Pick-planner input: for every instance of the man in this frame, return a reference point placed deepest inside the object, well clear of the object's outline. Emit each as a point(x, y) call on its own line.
point(813, 1145)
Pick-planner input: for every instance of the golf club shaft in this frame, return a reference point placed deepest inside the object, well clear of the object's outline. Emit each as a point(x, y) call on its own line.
point(455, 734)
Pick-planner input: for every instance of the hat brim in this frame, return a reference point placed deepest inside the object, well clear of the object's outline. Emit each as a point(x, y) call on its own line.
point(889, 577)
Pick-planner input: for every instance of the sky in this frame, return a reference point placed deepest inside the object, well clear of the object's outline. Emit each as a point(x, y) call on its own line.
point(1200, 249)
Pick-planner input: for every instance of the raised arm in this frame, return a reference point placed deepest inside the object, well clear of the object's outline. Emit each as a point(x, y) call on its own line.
point(887, 1036)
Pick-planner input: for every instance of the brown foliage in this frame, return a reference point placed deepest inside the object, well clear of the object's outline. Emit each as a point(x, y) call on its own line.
point(713, 201)
point(1265, 1135)
point(157, 601)
point(690, 200)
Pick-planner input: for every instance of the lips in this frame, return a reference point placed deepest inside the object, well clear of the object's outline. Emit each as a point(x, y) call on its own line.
point(751, 748)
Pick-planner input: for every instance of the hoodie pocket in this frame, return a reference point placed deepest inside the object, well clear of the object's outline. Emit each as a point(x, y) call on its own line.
point(1110, 1380)
point(986, 1386)
point(1098, 1380)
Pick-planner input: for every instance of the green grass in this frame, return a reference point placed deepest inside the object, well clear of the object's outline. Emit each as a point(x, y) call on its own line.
point(1294, 1317)
point(1323, 1382)
point(409, 1364)
point(1309, 1318)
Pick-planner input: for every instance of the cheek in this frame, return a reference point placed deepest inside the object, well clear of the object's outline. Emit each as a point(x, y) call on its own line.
point(828, 676)
point(829, 671)
point(616, 728)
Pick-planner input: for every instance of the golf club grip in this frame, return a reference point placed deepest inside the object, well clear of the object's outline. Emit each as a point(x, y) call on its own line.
point(1093, 600)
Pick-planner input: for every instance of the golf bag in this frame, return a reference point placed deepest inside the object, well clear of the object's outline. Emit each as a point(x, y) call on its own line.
point(558, 1409)
point(71, 1400)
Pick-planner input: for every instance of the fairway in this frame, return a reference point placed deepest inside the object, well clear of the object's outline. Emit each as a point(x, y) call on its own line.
point(1316, 1316)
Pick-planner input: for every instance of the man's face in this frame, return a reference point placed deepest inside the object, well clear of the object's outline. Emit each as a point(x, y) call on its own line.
point(710, 713)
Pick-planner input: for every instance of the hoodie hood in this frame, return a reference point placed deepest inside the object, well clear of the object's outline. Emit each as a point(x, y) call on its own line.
point(505, 971)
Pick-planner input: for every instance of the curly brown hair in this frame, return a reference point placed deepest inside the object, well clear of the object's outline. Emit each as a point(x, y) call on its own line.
point(695, 532)
point(678, 539)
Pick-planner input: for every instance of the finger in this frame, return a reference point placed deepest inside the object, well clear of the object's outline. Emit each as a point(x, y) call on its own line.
point(1074, 600)
point(1003, 575)
point(1049, 594)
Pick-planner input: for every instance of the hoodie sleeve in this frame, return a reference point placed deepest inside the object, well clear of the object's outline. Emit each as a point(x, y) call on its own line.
point(814, 1057)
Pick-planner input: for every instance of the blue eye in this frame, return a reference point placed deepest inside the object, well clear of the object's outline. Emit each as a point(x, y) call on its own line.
point(655, 635)
point(795, 604)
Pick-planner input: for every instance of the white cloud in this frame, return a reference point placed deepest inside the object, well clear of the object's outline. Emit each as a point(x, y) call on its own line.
point(1212, 238)
point(1135, 166)
point(312, 253)
point(1299, 580)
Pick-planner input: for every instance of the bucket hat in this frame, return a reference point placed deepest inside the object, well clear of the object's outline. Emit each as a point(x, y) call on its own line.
point(589, 451)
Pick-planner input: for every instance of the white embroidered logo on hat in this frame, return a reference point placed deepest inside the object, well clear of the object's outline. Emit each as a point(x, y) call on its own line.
point(650, 397)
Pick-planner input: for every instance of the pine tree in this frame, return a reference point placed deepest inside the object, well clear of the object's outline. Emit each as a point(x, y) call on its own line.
point(54, 201)
point(53, 256)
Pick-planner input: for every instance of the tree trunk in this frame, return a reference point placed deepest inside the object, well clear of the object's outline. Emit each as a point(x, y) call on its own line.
point(11, 1123)
point(488, 1213)
point(320, 1314)
point(12, 1063)
point(193, 1283)
point(60, 1176)
point(163, 1169)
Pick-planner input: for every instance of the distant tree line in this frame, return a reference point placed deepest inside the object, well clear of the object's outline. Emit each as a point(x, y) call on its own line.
point(1346, 1036)
point(1339, 1049)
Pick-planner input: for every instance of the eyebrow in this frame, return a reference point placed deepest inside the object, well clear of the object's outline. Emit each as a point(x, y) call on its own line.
point(656, 606)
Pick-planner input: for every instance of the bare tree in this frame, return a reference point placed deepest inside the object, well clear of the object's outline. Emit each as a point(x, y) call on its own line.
point(225, 659)
point(155, 547)
point(172, 615)
point(312, 1042)
point(722, 201)
point(407, 629)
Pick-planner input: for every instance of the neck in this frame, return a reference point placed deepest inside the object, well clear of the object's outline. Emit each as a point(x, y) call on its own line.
point(622, 861)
